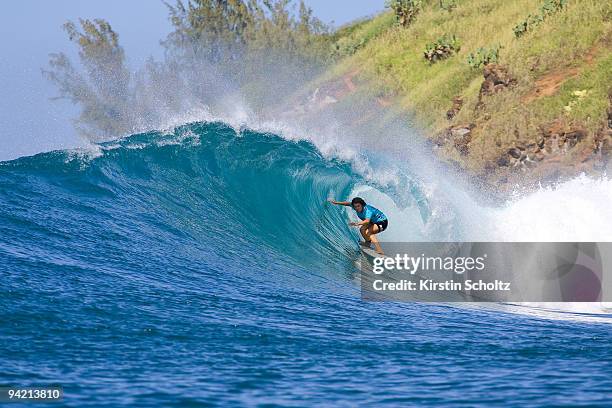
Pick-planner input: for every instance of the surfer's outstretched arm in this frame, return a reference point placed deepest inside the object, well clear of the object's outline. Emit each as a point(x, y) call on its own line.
point(345, 203)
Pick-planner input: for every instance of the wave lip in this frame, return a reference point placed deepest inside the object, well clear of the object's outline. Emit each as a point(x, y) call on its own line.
point(203, 183)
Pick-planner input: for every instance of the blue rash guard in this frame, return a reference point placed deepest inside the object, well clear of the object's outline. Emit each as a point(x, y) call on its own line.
point(371, 213)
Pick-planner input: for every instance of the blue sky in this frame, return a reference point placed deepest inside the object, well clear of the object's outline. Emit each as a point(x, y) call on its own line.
point(31, 29)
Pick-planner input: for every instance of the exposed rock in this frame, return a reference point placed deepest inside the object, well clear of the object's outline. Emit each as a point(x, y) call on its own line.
point(503, 161)
point(603, 138)
point(555, 142)
point(460, 131)
point(457, 104)
point(515, 153)
point(460, 136)
point(572, 138)
point(559, 139)
point(603, 142)
point(602, 147)
point(496, 78)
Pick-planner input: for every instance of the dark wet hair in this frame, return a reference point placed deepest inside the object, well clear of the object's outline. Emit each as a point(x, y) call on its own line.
point(358, 200)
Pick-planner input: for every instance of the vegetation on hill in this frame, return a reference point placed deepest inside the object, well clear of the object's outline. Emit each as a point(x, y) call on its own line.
point(557, 68)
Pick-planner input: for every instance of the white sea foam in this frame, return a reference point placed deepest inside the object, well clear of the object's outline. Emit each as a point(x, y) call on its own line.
point(577, 210)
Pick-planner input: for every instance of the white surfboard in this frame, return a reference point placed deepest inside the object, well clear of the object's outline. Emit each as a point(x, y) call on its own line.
point(370, 252)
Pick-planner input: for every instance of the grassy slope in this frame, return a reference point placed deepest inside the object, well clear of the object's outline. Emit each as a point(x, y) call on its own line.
point(576, 40)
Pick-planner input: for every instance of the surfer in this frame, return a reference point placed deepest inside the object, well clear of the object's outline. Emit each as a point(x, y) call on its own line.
point(373, 221)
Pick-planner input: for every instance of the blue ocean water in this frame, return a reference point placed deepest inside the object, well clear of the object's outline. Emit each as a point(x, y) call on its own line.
point(203, 268)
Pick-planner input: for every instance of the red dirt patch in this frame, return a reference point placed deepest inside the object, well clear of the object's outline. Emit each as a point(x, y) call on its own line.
point(550, 83)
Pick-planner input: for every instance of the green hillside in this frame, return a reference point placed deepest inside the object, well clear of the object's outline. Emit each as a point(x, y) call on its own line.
point(553, 72)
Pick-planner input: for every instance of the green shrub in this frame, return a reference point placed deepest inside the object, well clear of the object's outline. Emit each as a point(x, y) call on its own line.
point(345, 47)
point(351, 38)
point(549, 8)
point(483, 56)
point(448, 5)
point(552, 6)
point(521, 28)
point(405, 10)
point(442, 48)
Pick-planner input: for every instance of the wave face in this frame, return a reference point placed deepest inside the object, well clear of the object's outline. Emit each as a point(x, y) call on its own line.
point(206, 260)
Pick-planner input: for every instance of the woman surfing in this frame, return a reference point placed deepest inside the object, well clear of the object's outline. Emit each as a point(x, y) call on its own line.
point(373, 221)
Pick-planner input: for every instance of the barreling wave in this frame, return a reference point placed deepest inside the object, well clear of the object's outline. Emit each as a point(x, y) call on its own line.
point(206, 193)
point(202, 185)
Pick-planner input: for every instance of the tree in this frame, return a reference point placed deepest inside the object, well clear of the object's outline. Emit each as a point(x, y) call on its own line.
point(207, 28)
point(103, 90)
point(262, 47)
point(227, 30)
point(253, 49)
